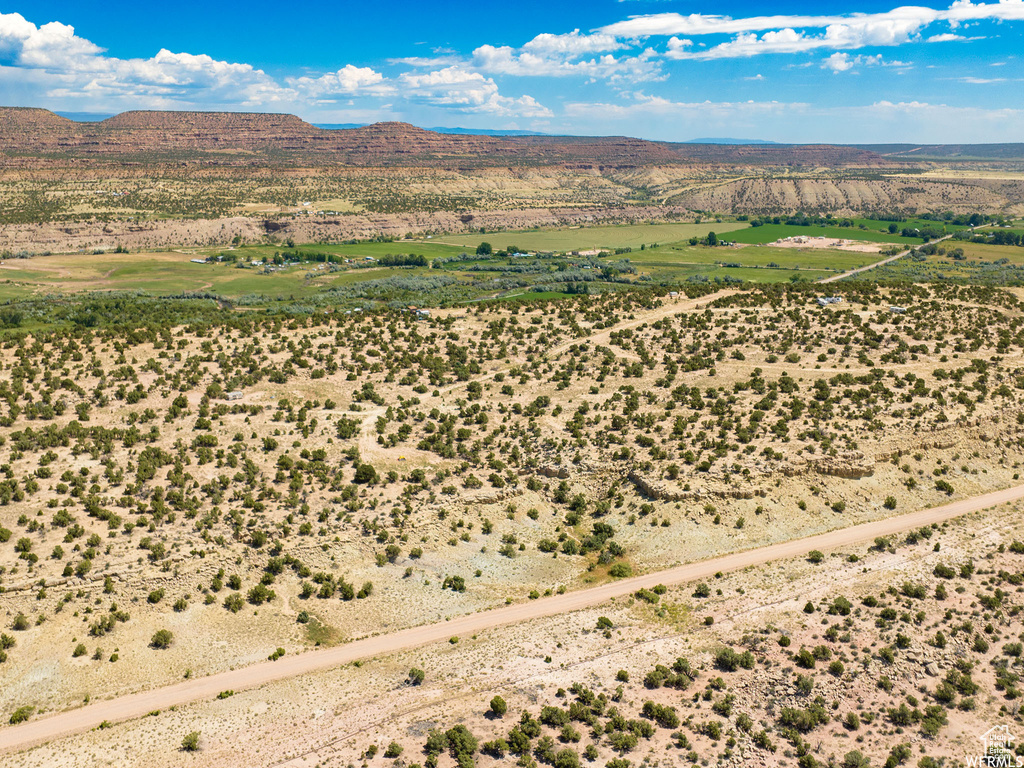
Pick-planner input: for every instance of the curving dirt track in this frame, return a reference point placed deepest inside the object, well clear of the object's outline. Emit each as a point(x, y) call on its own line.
point(135, 705)
point(883, 262)
point(858, 270)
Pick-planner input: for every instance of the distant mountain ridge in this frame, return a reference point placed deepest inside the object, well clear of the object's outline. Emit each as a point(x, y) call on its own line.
point(411, 179)
point(729, 141)
point(263, 126)
point(246, 139)
point(441, 129)
point(95, 117)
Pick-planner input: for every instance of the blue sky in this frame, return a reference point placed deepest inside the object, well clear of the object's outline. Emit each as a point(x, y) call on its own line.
point(856, 72)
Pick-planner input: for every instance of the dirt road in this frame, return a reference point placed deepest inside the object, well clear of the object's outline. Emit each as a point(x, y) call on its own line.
point(883, 262)
point(858, 270)
point(62, 724)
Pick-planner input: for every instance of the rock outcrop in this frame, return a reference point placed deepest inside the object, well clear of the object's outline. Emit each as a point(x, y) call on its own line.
point(662, 491)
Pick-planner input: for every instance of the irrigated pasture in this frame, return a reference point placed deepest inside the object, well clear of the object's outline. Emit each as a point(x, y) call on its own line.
point(769, 233)
point(247, 276)
point(586, 238)
point(167, 273)
point(756, 256)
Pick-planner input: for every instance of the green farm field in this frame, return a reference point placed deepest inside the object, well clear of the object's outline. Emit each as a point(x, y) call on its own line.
point(882, 225)
point(168, 273)
point(585, 238)
point(1016, 229)
point(173, 273)
point(981, 264)
point(978, 252)
point(683, 261)
point(754, 256)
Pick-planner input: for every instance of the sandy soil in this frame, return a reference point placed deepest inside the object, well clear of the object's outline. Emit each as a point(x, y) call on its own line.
point(822, 243)
point(114, 710)
point(978, 449)
point(330, 718)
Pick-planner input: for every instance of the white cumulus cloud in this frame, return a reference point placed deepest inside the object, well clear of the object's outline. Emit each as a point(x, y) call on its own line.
point(73, 68)
point(573, 43)
point(755, 35)
point(54, 62)
point(347, 81)
point(572, 54)
point(467, 91)
point(52, 45)
point(844, 62)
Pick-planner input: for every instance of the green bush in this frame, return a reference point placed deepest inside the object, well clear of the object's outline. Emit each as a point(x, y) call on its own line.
point(461, 742)
point(498, 706)
point(162, 639)
point(234, 603)
point(944, 571)
point(366, 474)
point(727, 660)
point(21, 714)
point(191, 742)
point(805, 659)
point(566, 758)
point(840, 607)
point(260, 594)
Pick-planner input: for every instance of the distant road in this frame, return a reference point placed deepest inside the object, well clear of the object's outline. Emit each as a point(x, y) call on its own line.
point(858, 270)
point(56, 726)
point(883, 262)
